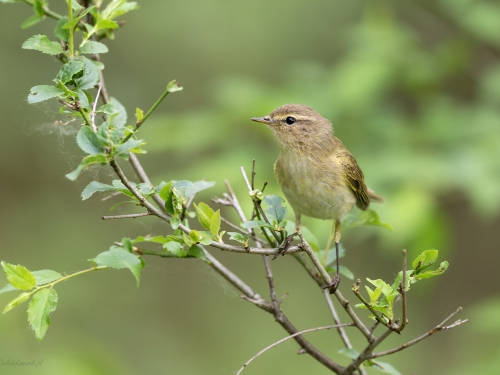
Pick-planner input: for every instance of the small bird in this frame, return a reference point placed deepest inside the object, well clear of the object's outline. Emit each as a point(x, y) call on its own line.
point(318, 175)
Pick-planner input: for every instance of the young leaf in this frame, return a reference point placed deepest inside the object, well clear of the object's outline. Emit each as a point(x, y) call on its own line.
point(131, 144)
point(275, 208)
point(94, 187)
point(175, 222)
point(46, 276)
point(33, 20)
point(61, 33)
point(91, 47)
point(43, 92)
point(350, 353)
point(239, 237)
point(385, 368)
point(43, 44)
point(346, 272)
point(42, 304)
point(424, 260)
point(117, 257)
point(19, 276)
point(197, 252)
point(204, 213)
point(215, 223)
point(139, 114)
point(88, 142)
point(71, 24)
point(173, 86)
point(255, 224)
point(427, 274)
point(23, 297)
point(69, 69)
point(175, 248)
point(108, 109)
point(120, 119)
point(187, 188)
point(87, 160)
point(156, 239)
point(90, 75)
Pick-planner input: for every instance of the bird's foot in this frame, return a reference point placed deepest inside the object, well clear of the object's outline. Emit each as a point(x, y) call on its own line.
point(284, 246)
point(333, 285)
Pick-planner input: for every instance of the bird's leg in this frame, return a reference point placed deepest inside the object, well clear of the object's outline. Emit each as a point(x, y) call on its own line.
point(332, 287)
point(289, 239)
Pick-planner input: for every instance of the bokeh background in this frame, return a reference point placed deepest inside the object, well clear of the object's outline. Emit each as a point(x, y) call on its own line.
point(413, 90)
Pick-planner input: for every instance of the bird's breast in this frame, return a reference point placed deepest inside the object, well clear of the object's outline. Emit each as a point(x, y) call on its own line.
point(314, 187)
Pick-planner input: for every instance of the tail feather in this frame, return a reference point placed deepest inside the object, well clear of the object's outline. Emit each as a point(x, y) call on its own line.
point(374, 197)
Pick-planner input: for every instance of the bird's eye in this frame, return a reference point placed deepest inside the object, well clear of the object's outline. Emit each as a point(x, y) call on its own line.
point(290, 120)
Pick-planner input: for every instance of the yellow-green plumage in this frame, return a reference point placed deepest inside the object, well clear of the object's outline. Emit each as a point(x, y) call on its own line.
point(318, 175)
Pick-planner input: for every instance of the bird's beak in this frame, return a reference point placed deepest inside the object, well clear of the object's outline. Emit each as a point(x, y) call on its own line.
point(264, 120)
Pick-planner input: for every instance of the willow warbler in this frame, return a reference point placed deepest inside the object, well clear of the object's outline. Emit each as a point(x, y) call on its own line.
point(318, 175)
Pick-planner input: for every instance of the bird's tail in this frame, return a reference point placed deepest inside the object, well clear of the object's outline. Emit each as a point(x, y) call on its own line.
point(374, 197)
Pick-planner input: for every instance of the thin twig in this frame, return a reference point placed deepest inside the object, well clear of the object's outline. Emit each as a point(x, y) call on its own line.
point(368, 305)
point(404, 319)
point(128, 216)
point(94, 106)
point(336, 319)
point(440, 327)
point(288, 338)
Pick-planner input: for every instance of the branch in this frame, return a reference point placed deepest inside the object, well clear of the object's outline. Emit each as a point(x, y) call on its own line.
point(402, 290)
point(440, 327)
point(128, 216)
point(288, 338)
point(336, 319)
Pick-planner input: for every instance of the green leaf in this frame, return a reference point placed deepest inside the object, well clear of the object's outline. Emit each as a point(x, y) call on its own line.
point(83, 98)
point(42, 304)
point(116, 8)
point(107, 109)
point(187, 188)
point(424, 260)
point(385, 368)
point(61, 33)
point(173, 86)
point(43, 44)
point(117, 257)
point(33, 20)
point(156, 239)
point(239, 237)
point(94, 187)
point(350, 353)
point(43, 92)
point(106, 24)
point(139, 114)
point(91, 47)
point(19, 276)
point(428, 274)
point(46, 276)
point(88, 142)
point(197, 252)
point(367, 217)
point(90, 75)
point(215, 223)
point(87, 160)
point(23, 297)
point(275, 208)
point(374, 294)
point(175, 222)
point(120, 119)
point(204, 213)
point(195, 236)
point(131, 144)
point(166, 194)
point(346, 272)
point(69, 69)
point(175, 248)
point(255, 224)
point(71, 24)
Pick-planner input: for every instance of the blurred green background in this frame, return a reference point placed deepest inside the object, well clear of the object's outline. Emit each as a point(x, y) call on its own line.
point(413, 90)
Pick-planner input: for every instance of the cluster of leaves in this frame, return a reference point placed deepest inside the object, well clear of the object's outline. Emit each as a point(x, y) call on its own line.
point(382, 298)
point(39, 285)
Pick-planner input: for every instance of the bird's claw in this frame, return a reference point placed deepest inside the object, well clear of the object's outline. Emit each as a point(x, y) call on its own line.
point(333, 285)
point(284, 246)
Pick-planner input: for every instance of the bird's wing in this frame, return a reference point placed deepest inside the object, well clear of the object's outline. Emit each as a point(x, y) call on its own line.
point(354, 178)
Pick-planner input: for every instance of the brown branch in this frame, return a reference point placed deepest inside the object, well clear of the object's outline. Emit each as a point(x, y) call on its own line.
point(128, 216)
point(402, 290)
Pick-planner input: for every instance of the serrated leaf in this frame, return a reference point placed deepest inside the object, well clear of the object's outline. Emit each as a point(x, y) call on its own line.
point(88, 142)
point(42, 304)
point(87, 160)
point(275, 209)
point(90, 75)
point(107, 109)
point(19, 276)
point(173, 86)
point(43, 44)
point(33, 20)
point(118, 258)
point(69, 69)
point(204, 213)
point(120, 119)
point(197, 252)
point(92, 47)
point(61, 33)
point(428, 274)
point(374, 294)
point(23, 297)
point(175, 222)
point(43, 92)
point(72, 24)
point(424, 260)
point(215, 223)
point(350, 353)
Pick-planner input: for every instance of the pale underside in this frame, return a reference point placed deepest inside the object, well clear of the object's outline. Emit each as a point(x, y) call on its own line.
point(316, 189)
